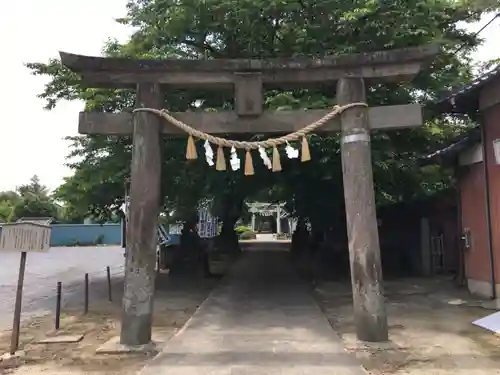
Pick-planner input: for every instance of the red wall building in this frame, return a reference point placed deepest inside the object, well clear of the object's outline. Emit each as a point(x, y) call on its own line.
point(479, 187)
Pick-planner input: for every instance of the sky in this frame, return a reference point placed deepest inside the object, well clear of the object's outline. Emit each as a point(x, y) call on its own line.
point(34, 31)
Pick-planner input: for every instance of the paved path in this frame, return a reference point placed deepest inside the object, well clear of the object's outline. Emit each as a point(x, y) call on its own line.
point(265, 237)
point(44, 270)
point(261, 320)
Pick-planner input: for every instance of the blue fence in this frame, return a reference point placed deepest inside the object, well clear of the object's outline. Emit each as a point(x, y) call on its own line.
point(86, 234)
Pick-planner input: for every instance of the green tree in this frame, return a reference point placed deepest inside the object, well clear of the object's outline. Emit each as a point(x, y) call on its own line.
point(33, 188)
point(486, 66)
point(261, 29)
point(29, 200)
point(7, 201)
point(32, 206)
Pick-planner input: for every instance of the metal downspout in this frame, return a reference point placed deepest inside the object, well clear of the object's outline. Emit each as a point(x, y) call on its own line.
point(488, 207)
point(461, 279)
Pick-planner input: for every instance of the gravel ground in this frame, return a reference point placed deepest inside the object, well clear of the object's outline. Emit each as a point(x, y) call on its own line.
point(430, 334)
point(44, 270)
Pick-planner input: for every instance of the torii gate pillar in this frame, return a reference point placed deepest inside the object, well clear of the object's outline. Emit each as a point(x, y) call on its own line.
point(362, 231)
point(140, 261)
point(278, 219)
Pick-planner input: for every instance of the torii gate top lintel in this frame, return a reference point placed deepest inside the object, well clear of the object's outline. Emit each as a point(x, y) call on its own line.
point(105, 71)
point(266, 207)
point(248, 77)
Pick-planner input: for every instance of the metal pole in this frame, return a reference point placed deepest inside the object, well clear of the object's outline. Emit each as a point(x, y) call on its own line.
point(486, 179)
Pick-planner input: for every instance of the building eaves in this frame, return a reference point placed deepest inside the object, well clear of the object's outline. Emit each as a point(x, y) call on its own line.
point(449, 153)
point(466, 99)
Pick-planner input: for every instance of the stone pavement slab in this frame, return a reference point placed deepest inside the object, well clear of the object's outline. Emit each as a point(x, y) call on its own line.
point(261, 320)
point(61, 339)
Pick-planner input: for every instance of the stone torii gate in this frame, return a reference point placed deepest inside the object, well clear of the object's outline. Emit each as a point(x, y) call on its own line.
point(267, 209)
point(248, 77)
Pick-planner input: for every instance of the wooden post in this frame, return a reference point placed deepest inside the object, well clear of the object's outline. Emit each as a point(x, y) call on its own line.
point(14, 340)
point(364, 251)
point(137, 311)
point(110, 288)
point(58, 305)
point(86, 294)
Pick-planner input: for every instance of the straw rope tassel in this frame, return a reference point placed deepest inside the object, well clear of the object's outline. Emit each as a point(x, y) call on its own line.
point(191, 153)
point(249, 171)
point(305, 155)
point(276, 160)
point(221, 160)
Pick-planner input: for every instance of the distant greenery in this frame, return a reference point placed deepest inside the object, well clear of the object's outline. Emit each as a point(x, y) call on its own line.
point(34, 200)
point(30, 200)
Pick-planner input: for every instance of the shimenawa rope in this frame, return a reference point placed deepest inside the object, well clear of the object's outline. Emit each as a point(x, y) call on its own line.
point(272, 142)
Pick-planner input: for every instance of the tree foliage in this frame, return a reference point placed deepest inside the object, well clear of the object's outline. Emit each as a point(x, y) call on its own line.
point(29, 200)
point(263, 29)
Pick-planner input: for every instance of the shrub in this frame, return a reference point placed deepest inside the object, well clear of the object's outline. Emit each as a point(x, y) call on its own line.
point(248, 235)
point(99, 239)
point(283, 236)
point(242, 229)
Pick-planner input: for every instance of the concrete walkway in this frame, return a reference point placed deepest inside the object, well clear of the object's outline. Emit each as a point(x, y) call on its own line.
point(261, 320)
